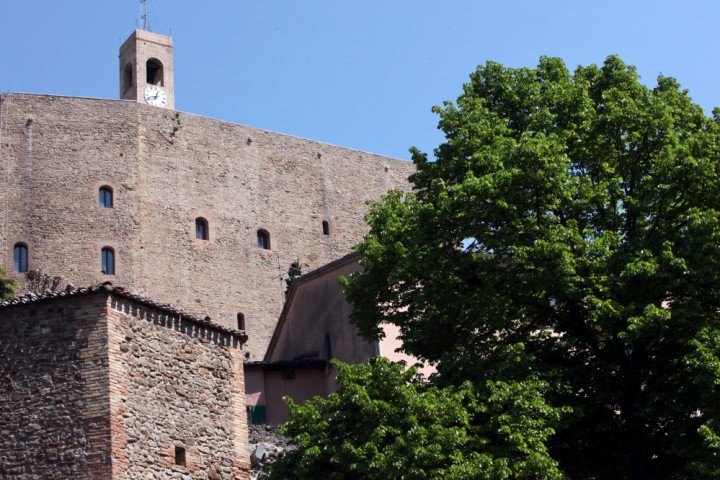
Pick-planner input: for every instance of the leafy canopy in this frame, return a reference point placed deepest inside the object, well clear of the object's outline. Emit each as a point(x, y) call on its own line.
point(569, 230)
point(7, 286)
point(382, 425)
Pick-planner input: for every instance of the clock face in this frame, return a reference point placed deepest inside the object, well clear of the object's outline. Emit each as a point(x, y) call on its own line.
point(155, 96)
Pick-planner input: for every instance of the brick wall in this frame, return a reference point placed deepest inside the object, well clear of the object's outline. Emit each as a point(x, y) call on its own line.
point(54, 397)
point(166, 168)
point(102, 386)
point(175, 385)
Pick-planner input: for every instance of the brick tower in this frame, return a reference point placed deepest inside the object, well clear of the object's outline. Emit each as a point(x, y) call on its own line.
point(146, 69)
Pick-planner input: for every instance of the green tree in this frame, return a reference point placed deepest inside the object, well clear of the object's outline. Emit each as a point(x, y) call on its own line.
point(569, 229)
point(7, 286)
point(380, 425)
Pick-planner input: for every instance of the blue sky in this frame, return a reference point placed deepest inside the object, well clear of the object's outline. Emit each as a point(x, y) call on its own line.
point(361, 74)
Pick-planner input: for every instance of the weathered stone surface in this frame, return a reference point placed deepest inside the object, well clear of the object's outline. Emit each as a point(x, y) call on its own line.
point(54, 392)
point(74, 404)
point(58, 151)
point(266, 446)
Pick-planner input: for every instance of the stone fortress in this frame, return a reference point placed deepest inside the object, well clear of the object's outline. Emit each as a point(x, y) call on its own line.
point(192, 211)
point(199, 220)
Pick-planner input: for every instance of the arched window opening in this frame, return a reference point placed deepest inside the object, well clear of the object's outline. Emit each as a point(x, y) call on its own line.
point(127, 77)
point(241, 321)
point(107, 258)
point(20, 254)
point(201, 229)
point(106, 197)
point(326, 227)
point(154, 70)
point(263, 239)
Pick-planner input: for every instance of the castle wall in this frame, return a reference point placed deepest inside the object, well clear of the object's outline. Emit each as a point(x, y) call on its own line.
point(54, 391)
point(166, 169)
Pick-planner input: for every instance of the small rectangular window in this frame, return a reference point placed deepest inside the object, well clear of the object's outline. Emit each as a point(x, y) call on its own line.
point(263, 239)
point(180, 456)
point(328, 347)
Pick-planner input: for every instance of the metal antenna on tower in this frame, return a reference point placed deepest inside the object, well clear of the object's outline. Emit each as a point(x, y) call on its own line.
point(144, 20)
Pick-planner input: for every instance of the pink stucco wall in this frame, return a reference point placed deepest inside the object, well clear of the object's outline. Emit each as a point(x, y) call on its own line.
point(391, 343)
point(254, 386)
point(315, 315)
point(267, 384)
point(316, 309)
point(307, 383)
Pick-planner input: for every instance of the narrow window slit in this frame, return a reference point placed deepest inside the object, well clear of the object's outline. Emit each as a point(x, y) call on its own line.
point(201, 229)
point(180, 456)
point(107, 260)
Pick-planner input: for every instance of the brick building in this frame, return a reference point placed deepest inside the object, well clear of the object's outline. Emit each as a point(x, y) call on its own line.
point(101, 384)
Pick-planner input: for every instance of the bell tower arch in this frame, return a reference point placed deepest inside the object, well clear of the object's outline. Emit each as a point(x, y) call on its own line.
point(146, 69)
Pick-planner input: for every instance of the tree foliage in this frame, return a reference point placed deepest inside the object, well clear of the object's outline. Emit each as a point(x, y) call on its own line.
point(569, 231)
point(7, 286)
point(382, 425)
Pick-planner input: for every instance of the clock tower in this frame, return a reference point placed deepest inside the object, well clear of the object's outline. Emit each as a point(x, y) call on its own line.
point(146, 69)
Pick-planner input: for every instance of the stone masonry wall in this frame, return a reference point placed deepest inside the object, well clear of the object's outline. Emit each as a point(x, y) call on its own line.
point(175, 385)
point(98, 385)
point(54, 396)
point(166, 169)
